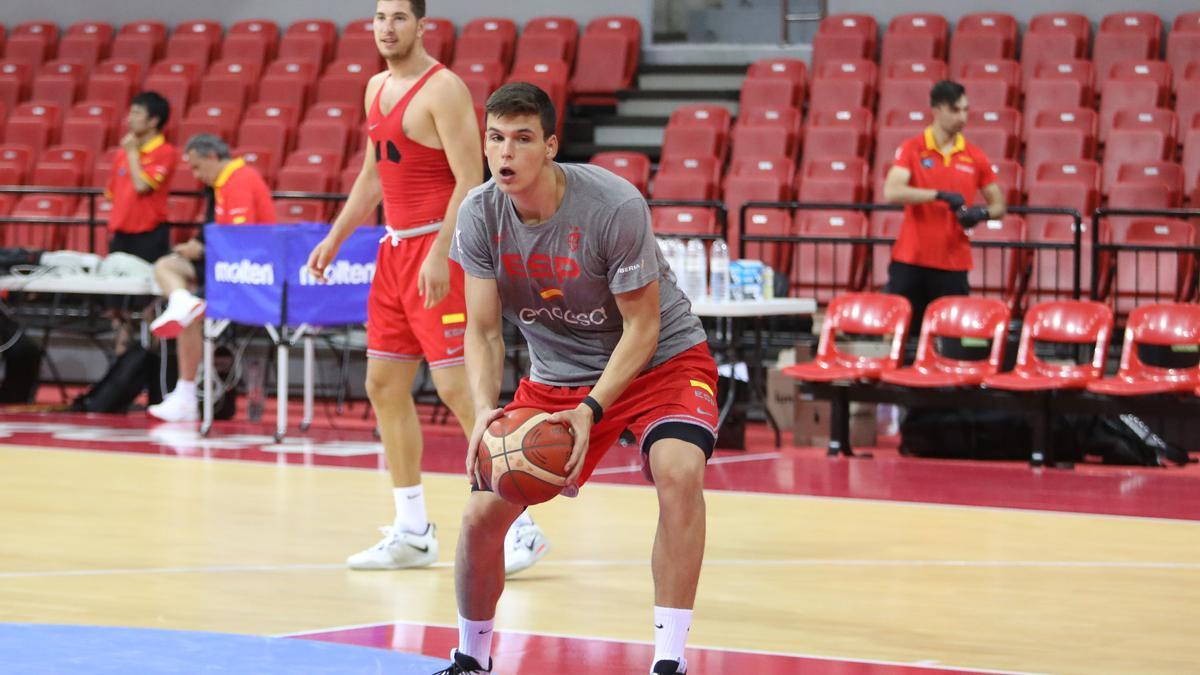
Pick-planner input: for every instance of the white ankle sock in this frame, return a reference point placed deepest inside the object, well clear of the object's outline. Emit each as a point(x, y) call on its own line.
point(671, 628)
point(410, 509)
point(185, 388)
point(523, 519)
point(180, 295)
point(475, 639)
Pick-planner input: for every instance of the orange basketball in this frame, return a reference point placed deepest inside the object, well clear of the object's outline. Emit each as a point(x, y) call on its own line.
point(522, 456)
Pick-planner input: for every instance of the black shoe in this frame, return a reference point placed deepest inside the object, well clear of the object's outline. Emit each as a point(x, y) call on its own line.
point(670, 667)
point(465, 665)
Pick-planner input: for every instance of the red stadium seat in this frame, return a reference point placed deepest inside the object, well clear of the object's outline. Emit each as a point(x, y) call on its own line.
point(710, 116)
point(1053, 271)
point(750, 141)
point(140, 41)
point(231, 82)
point(288, 115)
point(481, 48)
point(298, 39)
point(628, 29)
point(325, 134)
point(563, 26)
point(300, 211)
point(857, 314)
point(1054, 37)
point(1127, 36)
point(914, 36)
point(1143, 276)
point(1161, 324)
point(1058, 85)
point(439, 39)
point(1139, 97)
point(845, 36)
point(632, 166)
point(1191, 162)
point(59, 83)
point(1136, 145)
point(1183, 50)
point(543, 47)
point(265, 30)
point(1167, 174)
point(1009, 176)
point(839, 132)
point(34, 125)
point(1060, 136)
point(758, 186)
point(683, 220)
point(270, 134)
point(18, 159)
point(15, 80)
point(841, 93)
point(345, 82)
point(261, 158)
point(916, 69)
point(692, 141)
point(86, 42)
point(300, 178)
point(1083, 172)
point(825, 269)
point(687, 178)
point(833, 179)
point(989, 92)
point(793, 70)
point(46, 236)
point(219, 119)
point(984, 36)
point(600, 69)
point(1058, 322)
point(997, 271)
point(770, 92)
point(498, 30)
point(961, 317)
point(909, 93)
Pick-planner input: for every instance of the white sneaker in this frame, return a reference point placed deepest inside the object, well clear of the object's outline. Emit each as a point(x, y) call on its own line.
point(398, 550)
point(524, 545)
point(176, 407)
point(182, 309)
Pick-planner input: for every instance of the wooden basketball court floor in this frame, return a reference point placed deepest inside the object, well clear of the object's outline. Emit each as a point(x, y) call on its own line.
point(887, 565)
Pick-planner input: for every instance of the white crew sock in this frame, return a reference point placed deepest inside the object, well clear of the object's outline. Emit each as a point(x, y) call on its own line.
point(410, 509)
point(185, 388)
point(475, 639)
point(671, 628)
point(181, 295)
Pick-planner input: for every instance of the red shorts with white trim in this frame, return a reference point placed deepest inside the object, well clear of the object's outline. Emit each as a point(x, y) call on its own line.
point(399, 327)
point(681, 389)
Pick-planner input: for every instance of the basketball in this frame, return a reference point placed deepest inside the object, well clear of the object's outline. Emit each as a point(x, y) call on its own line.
point(522, 456)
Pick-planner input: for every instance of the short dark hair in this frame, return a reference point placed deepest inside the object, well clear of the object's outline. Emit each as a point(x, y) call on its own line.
point(522, 98)
point(946, 92)
point(418, 7)
point(156, 106)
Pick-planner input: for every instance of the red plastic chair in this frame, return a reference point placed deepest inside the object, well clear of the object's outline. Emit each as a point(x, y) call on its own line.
point(1063, 321)
point(823, 270)
point(632, 166)
point(687, 178)
point(439, 39)
point(988, 35)
point(960, 316)
point(683, 220)
point(860, 314)
point(1167, 324)
point(845, 36)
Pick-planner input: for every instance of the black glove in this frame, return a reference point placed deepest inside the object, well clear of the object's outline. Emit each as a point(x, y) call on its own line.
point(971, 216)
point(953, 200)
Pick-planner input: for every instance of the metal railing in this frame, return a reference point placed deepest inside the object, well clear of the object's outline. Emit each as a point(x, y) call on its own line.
point(1109, 257)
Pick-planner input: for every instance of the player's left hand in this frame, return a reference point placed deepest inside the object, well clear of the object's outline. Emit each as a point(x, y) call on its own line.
point(580, 421)
point(433, 282)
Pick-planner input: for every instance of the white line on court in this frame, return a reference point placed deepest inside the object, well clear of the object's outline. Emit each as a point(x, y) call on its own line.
point(989, 564)
point(822, 657)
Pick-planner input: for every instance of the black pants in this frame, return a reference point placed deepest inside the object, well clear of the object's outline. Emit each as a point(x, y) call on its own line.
point(149, 246)
point(923, 285)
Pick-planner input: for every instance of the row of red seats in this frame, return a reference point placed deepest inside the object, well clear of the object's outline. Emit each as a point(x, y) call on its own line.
point(1050, 37)
point(1079, 323)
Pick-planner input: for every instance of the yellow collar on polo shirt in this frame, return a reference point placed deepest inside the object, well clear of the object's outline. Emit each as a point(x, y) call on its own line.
point(152, 144)
point(232, 166)
point(960, 144)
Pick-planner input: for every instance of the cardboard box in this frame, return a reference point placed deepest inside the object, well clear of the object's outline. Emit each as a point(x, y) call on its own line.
point(810, 423)
point(781, 396)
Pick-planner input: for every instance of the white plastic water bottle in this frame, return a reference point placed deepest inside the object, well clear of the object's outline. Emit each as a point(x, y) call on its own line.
point(695, 270)
point(719, 269)
point(675, 255)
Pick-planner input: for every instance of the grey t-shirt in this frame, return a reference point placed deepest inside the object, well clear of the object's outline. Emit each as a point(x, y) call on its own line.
point(557, 279)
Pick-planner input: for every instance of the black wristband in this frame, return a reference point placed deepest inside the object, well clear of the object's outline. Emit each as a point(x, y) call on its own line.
point(597, 411)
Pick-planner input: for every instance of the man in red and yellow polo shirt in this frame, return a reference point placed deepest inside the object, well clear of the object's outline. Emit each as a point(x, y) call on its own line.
point(936, 176)
point(138, 185)
point(240, 196)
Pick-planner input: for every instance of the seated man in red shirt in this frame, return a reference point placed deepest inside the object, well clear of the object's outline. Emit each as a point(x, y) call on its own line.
point(240, 196)
point(936, 176)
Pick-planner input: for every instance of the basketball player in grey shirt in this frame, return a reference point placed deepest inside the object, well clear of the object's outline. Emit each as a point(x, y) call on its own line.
point(566, 253)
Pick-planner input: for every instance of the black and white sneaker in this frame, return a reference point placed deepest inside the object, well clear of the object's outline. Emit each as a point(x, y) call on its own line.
point(464, 665)
point(670, 667)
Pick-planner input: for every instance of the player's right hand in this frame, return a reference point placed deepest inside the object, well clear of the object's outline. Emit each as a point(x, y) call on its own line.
point(320, 258)
point(953, 200)
point(482, 421)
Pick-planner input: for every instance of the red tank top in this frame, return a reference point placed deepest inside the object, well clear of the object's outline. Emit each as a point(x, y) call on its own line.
point(416, 179)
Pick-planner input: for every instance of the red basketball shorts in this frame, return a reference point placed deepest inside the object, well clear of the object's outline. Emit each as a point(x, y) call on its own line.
point(399, 327)
point(681, 389)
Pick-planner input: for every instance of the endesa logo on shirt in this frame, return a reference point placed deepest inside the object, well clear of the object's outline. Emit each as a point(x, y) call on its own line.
point(540, 266)
point(244, 272)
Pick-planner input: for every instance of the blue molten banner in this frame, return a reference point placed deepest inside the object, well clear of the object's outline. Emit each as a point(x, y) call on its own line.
point(247, 267)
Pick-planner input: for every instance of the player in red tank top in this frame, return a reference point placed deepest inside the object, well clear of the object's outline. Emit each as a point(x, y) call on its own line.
point(423, 155)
